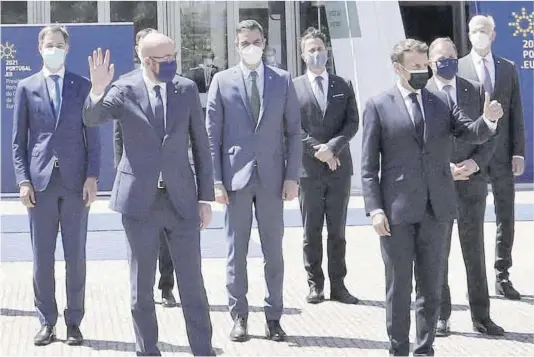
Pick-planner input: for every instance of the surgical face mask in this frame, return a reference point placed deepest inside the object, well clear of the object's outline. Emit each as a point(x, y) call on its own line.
point(167, 71)
point(53, 57)
point(480, 41)
point(447, 68)
point(251, 54)
point(418, 78)
point(316, 60)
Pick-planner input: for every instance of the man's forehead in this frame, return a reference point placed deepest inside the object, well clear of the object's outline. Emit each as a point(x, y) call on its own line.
point(53, 37)
point(249, 35)
point(442, 49)
point(313, 42)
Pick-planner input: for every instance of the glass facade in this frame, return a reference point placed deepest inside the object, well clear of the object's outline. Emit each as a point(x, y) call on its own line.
point(73, 11)
point(14, 12)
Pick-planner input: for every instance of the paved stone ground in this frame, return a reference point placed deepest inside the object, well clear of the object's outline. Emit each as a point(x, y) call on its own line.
point(328, 329)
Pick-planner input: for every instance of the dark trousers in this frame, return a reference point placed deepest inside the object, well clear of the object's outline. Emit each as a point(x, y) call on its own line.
point(183, 238)
point(166, 270)
point(418, 247)
point(57, 206)
point(269, 210)
point(503, 187)
point(319, 198)
point(471, 202)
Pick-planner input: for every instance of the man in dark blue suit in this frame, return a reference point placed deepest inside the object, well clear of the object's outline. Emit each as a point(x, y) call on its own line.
point(409, 190)
point(57, 163)
point(155, 188)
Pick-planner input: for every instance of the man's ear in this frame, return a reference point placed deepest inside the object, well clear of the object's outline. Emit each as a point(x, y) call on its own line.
point(493, 35)
point(67, 47)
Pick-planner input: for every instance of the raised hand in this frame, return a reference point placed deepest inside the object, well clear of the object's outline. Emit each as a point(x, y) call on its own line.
point(101, 71)
point(492, 109)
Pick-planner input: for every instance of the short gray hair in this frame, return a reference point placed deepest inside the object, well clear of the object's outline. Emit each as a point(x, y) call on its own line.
point(439, 40)
point(250, 25)
point(487, 19)
point(53, 29)
point(408, 45)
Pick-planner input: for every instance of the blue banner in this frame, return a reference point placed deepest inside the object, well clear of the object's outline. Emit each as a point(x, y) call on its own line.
point(20, 58)
point(514, 24)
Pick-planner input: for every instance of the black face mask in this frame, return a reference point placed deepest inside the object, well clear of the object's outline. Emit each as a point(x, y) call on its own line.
point(418, 79)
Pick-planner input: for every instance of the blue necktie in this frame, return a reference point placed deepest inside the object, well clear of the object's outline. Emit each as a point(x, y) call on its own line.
point(486, 78)
point(159, 116)
point(418, 119)
point(56, 101)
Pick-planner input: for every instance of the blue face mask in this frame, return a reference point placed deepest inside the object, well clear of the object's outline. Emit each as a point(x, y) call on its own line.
point(447, 68)
point(167, 71)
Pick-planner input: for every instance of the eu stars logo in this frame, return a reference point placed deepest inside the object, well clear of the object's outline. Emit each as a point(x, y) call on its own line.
point(523, 23)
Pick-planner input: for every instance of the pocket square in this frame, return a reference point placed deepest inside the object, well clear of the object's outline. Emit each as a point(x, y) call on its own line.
point(338, 95)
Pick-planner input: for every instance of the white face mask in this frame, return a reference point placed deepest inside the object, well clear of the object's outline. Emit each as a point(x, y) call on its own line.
point(480, 41)
point(251, 54)
point(53, 57)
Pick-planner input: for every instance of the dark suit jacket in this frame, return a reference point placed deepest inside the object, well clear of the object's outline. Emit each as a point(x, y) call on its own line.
point(38, 137)
point(470, 97)
point(398, 175)
point(197, 75)
point(336, 128)
point(511, 138)
point(145, 155)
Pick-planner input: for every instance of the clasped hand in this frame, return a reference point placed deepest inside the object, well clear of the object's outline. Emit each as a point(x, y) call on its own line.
point(326, 155)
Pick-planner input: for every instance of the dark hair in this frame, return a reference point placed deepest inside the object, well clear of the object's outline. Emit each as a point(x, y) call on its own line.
point(439, 40)
point(250, 25)
point(142, 34)
point(53, 29)
point(408, 45)
point(310, 33)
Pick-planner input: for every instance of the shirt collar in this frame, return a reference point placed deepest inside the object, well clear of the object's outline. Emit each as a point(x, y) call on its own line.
point(312, 76)
point(246, 71)
point(150, 84)
point(405, 92)
point(442, 84)
point(60, 73)
point(478, 58)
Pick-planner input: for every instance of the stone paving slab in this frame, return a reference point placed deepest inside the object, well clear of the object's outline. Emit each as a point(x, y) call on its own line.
point(328, 329)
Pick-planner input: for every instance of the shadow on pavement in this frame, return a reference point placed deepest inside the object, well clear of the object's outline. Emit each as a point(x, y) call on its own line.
point(336, 342)
point(105, 345)
point(382, 304)
point(526, 337)
point(16, 312)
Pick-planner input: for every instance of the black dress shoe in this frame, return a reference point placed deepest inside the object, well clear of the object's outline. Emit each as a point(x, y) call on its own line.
point(488, 327)
point(274, 332)
point(74, 335)
point(45, 336)
point(506, 289)
point(239, 331)
point(342, 295)
point(167, 298)
point(443, 329)
point(315, 296)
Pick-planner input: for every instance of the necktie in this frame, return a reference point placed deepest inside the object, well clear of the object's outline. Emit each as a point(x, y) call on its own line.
point(56, 101)
point(450, 96)
point(255, 101)
point(159, 116)
point(319, 95)
point(418, 119)
point(486, 78)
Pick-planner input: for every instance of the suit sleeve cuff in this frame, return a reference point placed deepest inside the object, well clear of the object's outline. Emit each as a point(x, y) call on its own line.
point(518, 157)
point(95, 98)
point(491, 124)
point(24, 181)
point(375, 212)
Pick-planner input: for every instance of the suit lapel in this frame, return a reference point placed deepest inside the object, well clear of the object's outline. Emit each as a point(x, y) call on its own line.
point(462, 100)
point(268, 86)
point(329, 92)
point(67, 91)
point(498, 75)
point(428, 112)
point(173, 101)
point(401, 105)
point(240, 82)
point(471, 72)
point(311, 95)
point(141, 94)
point(45, 95)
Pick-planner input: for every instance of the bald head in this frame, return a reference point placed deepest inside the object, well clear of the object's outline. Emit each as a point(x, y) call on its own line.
point(156, 45)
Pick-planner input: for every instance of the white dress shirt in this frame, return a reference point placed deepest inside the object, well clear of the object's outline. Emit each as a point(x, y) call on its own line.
point(260, 70)
point(479, 66)
point(313, 82)
point(405, 93)
point(51, 85)
point(441, 86)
